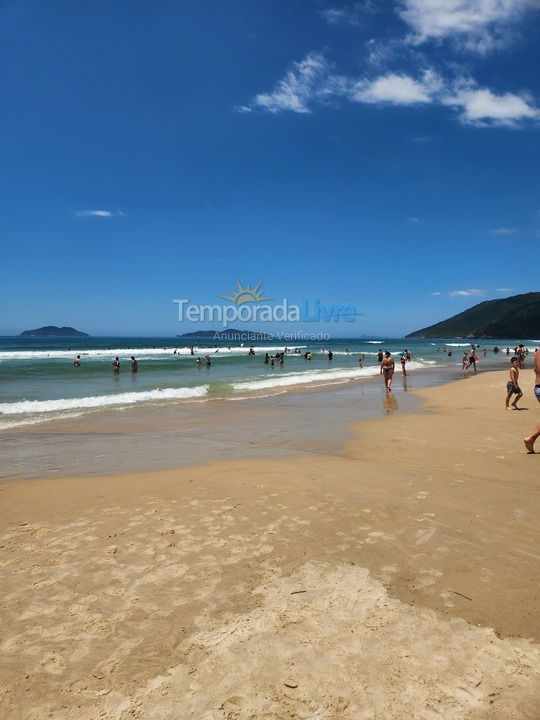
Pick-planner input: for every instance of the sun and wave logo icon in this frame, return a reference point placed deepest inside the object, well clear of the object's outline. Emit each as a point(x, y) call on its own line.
point(246, 294)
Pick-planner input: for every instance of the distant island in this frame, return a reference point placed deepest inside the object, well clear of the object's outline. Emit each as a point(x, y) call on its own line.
point(53, 331)
point(516, 317)
point(228, 334)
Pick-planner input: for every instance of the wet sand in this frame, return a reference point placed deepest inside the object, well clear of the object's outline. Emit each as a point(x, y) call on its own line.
point(305, 419)
point(394, 578)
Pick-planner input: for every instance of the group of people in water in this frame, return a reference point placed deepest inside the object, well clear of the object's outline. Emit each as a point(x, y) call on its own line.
point(115, 364)
point(388, 367)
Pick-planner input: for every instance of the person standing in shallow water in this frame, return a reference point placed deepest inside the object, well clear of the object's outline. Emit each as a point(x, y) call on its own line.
point(134, 365)
point(472, 359)
point(116, 365)
point(387, 369)
point(529, 441)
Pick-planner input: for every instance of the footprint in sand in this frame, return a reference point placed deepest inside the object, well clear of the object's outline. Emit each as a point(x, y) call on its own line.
point(422, 495)
point(422, 536)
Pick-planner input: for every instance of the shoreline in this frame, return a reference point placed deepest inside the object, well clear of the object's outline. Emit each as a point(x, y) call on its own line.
point(162, 587)
point(304, 418)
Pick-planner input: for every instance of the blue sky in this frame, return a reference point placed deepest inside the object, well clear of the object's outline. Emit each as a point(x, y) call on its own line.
point(380, 154)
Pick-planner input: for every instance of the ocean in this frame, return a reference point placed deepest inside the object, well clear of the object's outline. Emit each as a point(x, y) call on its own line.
point(38, 381)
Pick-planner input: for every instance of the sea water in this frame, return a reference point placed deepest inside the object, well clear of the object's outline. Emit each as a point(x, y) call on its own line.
point(39, 382)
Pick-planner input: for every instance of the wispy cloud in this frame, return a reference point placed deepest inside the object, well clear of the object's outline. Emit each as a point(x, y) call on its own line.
point(506, 290)
point(413, 219)
point(478, 25)
point(349, 15)
point(504, 231)
point(314, 81)
point(436, 292)
point(99, 213)
point(307, 81)
point(466, 293)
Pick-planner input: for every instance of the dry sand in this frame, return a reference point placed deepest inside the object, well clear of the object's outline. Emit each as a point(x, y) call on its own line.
point(396, 581)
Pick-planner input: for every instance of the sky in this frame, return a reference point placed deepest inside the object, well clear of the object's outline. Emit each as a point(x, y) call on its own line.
point(378, 154)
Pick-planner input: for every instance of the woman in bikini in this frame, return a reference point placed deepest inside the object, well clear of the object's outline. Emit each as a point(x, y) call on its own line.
point(387, 369)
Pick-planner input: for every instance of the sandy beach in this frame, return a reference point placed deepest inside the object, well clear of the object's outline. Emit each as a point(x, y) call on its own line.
point(397, 578)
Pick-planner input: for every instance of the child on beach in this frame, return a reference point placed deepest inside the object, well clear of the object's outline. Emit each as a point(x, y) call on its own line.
point(512, 386)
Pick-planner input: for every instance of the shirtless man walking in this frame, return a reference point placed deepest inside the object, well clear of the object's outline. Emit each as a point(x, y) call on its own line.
point(529, 441)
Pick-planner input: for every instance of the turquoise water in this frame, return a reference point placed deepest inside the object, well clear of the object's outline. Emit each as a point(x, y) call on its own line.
point(38, 380)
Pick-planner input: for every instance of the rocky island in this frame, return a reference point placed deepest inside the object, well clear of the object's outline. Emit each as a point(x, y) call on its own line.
point(53, 331)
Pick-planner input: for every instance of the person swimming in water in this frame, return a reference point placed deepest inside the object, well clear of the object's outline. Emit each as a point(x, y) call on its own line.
point(387, 369)
point(77, 361)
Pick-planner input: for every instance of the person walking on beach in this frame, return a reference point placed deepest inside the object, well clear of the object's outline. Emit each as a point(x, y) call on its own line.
point(387, 369)
point(472, 359)
point(512, 386)
point(116, 365)
point(403, 362)
point(529, 441)
point(134, 365)
point(464, 361)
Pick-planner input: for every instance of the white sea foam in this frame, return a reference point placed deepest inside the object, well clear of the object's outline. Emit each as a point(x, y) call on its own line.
point(457, 344)
point(101, 401)
point(319, 376)
point(126, 353)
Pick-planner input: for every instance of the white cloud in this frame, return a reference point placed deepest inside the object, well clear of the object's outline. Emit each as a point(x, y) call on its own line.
point(504, 231)
point(313, 81)
point(480, 106)
point(480, 24)
point(506, 289)
point(466, 293)
point(99, 213)
point(413, 219)
point(436, 293)
point(397, 89)
point(307, 79)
